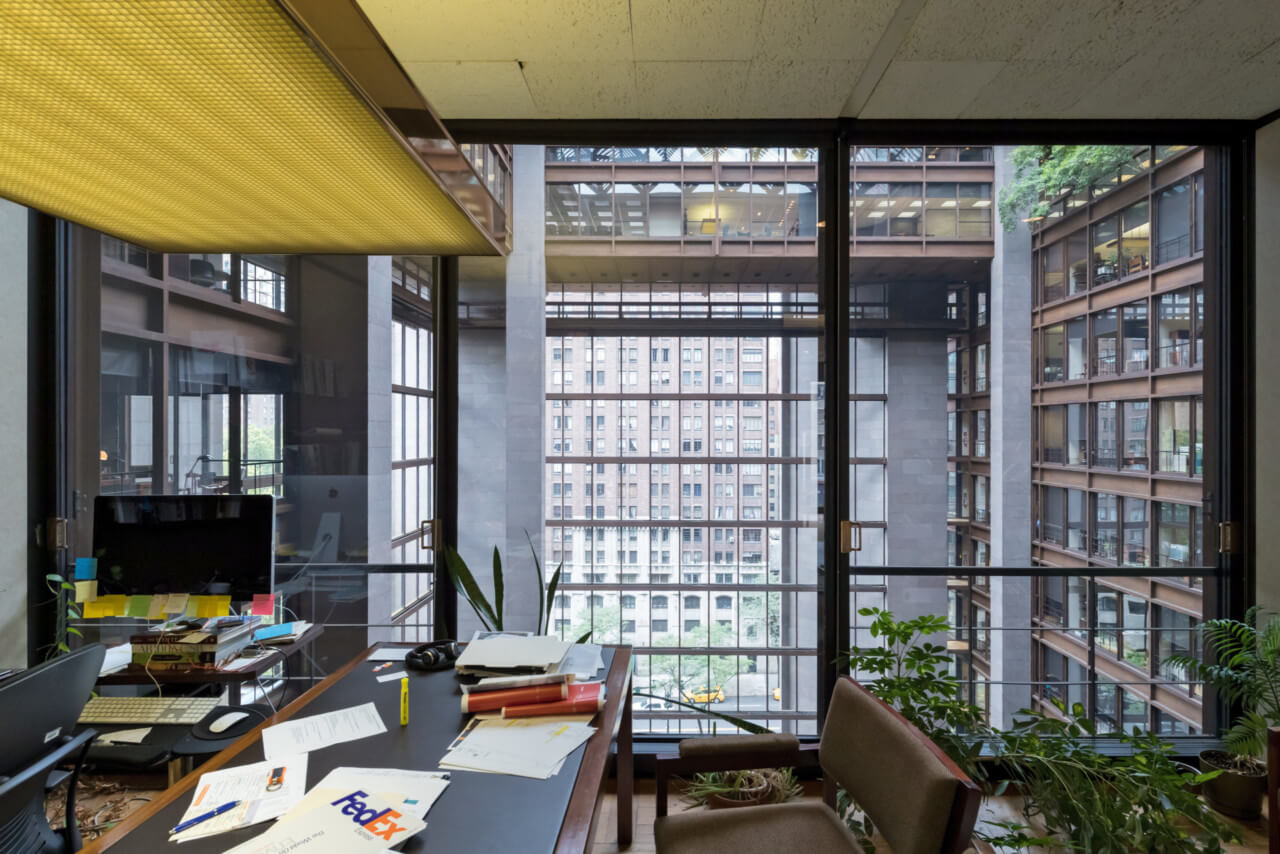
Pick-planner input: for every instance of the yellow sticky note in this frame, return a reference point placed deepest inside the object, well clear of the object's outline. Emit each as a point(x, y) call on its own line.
point(193, 606)
point(212, 606)
point(96, 608)
point(176, 603)
point(137, 606)
point(158, 603)
point(116, 604)
point(86, 591)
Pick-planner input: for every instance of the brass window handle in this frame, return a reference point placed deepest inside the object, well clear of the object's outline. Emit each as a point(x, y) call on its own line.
point(428, 533)
point(848, 543)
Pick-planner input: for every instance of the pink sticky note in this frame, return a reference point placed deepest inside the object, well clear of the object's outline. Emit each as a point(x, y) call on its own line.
point(264, 604)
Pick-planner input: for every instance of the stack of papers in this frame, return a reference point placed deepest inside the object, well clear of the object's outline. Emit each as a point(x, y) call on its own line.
point(522, 747)
point(265, 790)
point(504, 655)
point(353, 822)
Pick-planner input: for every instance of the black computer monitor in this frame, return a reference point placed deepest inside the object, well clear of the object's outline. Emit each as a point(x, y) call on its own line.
point(42, 704)
point(199, 544)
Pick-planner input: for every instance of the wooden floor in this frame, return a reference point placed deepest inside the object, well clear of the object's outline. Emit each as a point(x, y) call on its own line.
point(998, 809)
point(102, 803)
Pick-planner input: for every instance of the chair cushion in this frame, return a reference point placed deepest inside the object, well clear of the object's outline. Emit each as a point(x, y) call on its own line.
point(888, 769)
point(809, 827)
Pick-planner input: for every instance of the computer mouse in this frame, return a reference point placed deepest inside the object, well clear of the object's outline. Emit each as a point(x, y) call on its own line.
point(227, 721)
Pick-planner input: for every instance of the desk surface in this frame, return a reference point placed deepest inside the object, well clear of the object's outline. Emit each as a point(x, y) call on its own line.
point(477, 812)
point(134, 675)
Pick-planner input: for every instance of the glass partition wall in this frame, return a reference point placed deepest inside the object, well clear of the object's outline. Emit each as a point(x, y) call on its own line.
point(309, 378)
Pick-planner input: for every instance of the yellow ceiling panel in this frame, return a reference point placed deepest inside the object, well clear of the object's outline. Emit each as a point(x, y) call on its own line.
point(192, 125)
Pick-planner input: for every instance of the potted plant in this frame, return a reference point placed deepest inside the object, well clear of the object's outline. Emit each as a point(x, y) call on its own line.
point(726, 789)
point(1246, 671)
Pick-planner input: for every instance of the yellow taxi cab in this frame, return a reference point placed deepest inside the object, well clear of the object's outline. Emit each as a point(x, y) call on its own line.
point(714, 694)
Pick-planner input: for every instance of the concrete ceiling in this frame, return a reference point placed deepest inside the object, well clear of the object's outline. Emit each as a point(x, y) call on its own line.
point(939, 59)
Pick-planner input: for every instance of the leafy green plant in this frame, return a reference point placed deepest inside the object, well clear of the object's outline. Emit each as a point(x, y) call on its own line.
point(61, 588)
point(1041, 173)
point(1247, 672)
point(1139, 801)
point(490, 613)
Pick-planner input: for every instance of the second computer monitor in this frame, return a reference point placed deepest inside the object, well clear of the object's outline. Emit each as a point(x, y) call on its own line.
point(198, 544)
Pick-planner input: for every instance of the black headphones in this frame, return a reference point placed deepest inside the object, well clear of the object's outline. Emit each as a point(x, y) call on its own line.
point(437, 655)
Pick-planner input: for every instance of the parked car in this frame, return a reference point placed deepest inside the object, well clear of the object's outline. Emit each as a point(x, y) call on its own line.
point(714, 694)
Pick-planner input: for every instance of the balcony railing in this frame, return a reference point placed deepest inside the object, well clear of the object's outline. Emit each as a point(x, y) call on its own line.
point(751, 650)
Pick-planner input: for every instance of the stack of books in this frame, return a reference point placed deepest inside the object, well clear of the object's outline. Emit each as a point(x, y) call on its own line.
point(187, 645)
point(528, 677)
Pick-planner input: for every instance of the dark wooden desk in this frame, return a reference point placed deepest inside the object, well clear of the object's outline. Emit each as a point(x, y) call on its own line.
point(233, 679)
point(476, 813)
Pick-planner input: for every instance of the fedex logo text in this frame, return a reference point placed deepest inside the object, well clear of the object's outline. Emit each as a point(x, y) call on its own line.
point(378, 823)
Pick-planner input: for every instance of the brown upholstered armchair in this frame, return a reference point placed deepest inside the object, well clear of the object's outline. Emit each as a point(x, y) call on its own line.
point(920, 801)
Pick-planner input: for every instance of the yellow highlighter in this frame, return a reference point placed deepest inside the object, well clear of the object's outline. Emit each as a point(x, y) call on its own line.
point(404, 701)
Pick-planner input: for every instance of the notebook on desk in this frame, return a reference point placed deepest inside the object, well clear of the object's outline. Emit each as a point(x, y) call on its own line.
point(509, 655)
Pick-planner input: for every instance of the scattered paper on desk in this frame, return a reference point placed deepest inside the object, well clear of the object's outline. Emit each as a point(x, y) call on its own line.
point(125, 736)
point(86, 568)
point(245, 662)
point(137, 606)
point(387, 677)
point(86, 591)
point(247, 784)
point(389, 653)
point(116, 657)
point(176, 603)
point(409, 792)
point(264, 605)
point(353, 823)
point(535, 654)
point(302, 735)
point(158, 604)
point(523, 747)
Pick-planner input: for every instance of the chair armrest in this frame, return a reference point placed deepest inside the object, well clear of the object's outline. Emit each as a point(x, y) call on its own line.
point(730, 753)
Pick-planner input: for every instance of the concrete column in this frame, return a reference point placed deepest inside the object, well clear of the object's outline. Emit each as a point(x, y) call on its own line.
point(915, 432)
point(15, 536)
point(501, 403)
point(1010, 427)
point(526, 381)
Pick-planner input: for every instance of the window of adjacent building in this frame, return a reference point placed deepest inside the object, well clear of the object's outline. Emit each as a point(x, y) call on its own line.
point(1077, 521)
point(980, 434)
point(1077, 276)
point(1077, 348)
point(1135, 436)
point(1173, 222)
point(1176, 635)
point(1053, 434)
point(1173, 329)
point(1134, 331)
point(1054, 352)
point(1179, 535)
point(980, 369)
point(1106, 524)
point(1106, 250)
point(1134, 531)
point(888, 154)
point(1106, 434)
point(1077, 434)
point(1180, 435)
point(1105, 343)
point(1135, 236)
point(1051, 529)
point(887, 209)
point(1052, 275)
point(951, 433)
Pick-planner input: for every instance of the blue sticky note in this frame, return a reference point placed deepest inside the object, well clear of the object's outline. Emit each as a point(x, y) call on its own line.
point(273, 631)
point(86, 568)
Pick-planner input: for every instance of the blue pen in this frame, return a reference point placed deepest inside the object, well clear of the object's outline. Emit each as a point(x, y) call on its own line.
point(192, 822)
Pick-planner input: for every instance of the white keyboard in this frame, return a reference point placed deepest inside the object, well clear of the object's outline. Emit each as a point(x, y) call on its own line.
point(147, 710)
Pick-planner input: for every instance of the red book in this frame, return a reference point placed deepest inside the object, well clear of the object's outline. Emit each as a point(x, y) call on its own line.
point(491, 701)
point(581, 699)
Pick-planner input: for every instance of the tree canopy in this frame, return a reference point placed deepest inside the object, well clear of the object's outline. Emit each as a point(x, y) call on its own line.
point(1041, 173)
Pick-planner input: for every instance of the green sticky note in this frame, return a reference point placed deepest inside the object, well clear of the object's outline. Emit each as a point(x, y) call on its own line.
point(86, 591)
point(137, 606)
